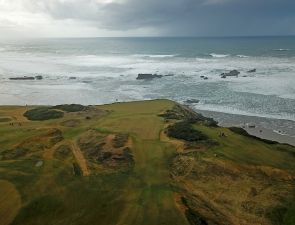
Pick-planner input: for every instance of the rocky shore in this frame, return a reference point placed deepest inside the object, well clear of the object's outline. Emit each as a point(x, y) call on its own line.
point(282, 131)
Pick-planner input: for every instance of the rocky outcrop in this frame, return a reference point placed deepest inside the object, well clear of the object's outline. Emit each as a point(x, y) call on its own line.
point(204, 77)
point(232, 73)
point(148, 76)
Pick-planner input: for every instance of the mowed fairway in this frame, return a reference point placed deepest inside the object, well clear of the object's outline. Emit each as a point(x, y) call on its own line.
point(149, 195)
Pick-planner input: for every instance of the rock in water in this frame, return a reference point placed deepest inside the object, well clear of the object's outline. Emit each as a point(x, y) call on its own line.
point(39, 77)
point(252, 71)
point(147, 76)
point(192, 101)
point(232, 73)
point(22, 78)
point(169, 75)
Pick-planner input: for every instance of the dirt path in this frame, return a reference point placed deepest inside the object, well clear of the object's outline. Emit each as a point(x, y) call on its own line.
point(80, 158)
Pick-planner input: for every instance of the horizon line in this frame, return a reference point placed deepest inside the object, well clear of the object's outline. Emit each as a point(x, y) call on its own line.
point(92, 37)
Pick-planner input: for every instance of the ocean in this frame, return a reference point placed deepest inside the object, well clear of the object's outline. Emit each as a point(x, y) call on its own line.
point(106, 69)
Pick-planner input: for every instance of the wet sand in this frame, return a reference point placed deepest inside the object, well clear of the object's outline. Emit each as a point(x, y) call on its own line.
point(282, 131)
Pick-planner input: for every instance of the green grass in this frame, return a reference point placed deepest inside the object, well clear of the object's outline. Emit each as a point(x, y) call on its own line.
point(248, 150)
point(73, 132)
point(289, 217)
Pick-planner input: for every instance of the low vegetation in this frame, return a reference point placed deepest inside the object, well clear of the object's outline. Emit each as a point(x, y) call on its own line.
point(120, 140)
point(179, 112)
point(62, 152)
point(55, 112)
point(44, 113)
point(184, 130)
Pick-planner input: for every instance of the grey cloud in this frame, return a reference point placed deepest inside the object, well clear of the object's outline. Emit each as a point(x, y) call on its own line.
point(178, 17)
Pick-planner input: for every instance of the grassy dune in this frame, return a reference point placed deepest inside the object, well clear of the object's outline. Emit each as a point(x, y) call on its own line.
point(114, 164)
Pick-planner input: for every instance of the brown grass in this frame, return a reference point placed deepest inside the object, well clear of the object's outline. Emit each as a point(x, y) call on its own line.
point(80, 158)
point(10, 202)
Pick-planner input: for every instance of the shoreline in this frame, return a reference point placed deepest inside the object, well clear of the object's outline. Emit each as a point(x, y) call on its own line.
point(279, 130)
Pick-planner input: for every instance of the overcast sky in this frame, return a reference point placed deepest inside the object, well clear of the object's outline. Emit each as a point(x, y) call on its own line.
point(88, 18)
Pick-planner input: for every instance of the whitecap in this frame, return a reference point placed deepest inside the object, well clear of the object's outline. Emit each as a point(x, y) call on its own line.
point(282, 49)
point(154, 56)
point(242, 56)
point(214, 55)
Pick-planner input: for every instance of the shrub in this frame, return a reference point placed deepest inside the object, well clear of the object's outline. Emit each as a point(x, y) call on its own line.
point(184, 130)
point(40, 114)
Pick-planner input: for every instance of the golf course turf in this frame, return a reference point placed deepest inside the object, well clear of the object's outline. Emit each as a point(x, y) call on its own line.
point(118, 164)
